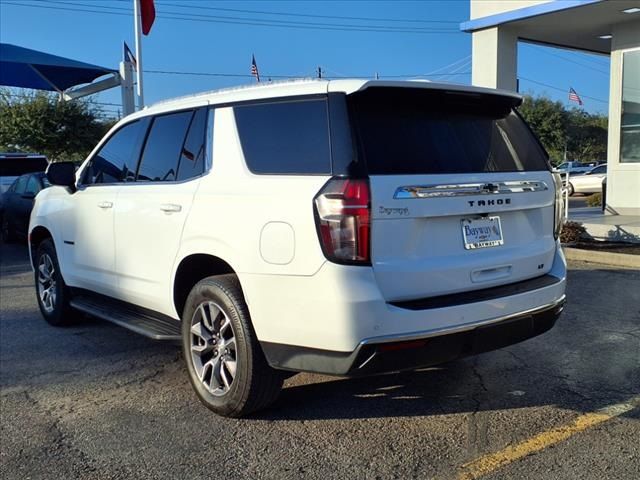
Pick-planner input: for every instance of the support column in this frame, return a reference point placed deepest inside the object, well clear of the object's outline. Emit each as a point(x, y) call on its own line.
point(126, 87)
point(495, 58)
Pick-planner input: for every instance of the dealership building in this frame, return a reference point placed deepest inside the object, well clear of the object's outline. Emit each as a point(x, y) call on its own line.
point(606, 27)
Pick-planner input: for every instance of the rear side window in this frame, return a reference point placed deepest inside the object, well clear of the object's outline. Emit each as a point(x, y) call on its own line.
point(411, 131)
point(163, 149)
point(289, 137)
point(116, 161)
point(33, 185)
point(20, 185)
point(192, 155)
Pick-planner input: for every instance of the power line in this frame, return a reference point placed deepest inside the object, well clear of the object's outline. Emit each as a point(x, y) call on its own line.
point(90, 101)
point(283, 22)
point(560, 89)
point(248, 75)
point(76, 7)
point(335, 17)
point(590, 67)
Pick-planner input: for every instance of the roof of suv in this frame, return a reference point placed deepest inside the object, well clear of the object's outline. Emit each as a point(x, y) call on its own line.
point(292, 88)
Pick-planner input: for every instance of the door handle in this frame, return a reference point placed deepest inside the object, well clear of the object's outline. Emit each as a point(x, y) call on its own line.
point(105, 204)
point(170, 207)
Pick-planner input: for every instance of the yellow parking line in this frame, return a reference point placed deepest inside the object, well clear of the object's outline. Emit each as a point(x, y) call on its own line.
point(493, 461)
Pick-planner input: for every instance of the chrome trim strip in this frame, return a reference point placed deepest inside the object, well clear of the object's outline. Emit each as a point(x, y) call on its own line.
point(458, 328)
point(464, 189)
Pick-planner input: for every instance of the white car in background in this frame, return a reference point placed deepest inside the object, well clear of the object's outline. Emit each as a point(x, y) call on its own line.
point(590, 182)
point(574, 168)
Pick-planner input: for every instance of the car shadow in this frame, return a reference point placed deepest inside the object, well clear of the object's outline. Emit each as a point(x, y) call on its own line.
point(591, 358)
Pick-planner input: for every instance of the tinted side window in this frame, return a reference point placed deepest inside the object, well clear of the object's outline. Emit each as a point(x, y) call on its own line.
point(600, 169)
point(192, 156)
point(117, 159)
point(33, 185)
point(21, 184)
point(285, 137)
point(162, 151)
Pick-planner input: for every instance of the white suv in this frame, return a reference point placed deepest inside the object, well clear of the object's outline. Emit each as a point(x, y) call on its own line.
point(345, 227)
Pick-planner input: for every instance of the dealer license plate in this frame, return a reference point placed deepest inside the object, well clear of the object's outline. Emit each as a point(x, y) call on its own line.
point(481, 232)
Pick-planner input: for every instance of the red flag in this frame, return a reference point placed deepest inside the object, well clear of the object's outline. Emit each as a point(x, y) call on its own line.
point(148, 14)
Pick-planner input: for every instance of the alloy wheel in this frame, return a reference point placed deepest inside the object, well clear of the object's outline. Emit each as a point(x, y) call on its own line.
point(47, 283)
point(213, 348)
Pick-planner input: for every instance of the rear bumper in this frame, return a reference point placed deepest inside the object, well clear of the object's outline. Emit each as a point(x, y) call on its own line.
point(418, 349)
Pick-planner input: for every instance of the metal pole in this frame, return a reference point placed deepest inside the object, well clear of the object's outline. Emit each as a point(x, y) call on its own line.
point(566, 198)
point(137, 19)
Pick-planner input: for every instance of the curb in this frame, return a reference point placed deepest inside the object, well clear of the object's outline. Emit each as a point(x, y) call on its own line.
point(607, 258)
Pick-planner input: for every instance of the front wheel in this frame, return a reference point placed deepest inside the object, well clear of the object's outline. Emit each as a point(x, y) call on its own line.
point(226, 366)
point(570, 189)
point(52, 293)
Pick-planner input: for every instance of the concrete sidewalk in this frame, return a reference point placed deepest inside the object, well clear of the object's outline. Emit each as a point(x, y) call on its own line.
point(600, 226)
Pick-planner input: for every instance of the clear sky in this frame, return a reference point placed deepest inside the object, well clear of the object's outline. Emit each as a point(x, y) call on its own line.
point(392, 38)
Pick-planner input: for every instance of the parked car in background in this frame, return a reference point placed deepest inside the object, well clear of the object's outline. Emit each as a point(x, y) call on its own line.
point(590, 182)
point(574, 168)
point(12, 165)
point(16, 205)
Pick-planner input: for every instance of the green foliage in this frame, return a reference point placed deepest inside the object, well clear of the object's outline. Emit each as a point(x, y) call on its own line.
point(594, 200)
point(40, 123)
point(583, 134)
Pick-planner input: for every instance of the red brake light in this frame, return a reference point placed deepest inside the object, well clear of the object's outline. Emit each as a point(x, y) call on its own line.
point(343, 213)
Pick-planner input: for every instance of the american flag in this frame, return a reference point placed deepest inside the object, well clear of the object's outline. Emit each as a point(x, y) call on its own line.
point(129, 56)
point(574, 97)
point(254, 68)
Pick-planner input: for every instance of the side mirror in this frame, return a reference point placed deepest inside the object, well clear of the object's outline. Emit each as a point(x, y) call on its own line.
point(62, 173)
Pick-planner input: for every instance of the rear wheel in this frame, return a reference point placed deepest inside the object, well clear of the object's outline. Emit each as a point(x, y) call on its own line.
point(52, 293)
point(225, 362)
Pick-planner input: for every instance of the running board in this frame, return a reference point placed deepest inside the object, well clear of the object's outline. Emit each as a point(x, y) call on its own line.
point(145, 322)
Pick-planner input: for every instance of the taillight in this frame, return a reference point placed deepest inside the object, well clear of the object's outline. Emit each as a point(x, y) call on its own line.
point(343, 215)
point(559, 207)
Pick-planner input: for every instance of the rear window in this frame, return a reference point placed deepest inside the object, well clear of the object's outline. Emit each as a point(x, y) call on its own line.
point(411, 131)
point(290, 137)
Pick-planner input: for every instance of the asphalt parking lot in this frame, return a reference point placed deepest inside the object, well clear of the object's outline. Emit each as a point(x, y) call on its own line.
point(95, 401)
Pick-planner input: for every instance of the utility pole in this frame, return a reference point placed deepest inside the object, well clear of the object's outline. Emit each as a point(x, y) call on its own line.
point(319, 72)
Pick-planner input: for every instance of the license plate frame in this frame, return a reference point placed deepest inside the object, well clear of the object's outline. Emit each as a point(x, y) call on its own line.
point(481, 232)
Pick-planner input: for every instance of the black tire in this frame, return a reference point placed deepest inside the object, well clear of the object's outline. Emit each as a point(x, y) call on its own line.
point(7, 233)
point(58, 312)
point(570, 189)
point(255, 385)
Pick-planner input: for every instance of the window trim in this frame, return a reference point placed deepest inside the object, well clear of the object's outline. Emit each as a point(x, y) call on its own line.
point(618, 160)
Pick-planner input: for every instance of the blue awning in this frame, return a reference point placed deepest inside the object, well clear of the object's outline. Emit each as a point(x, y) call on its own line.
point(26, 68)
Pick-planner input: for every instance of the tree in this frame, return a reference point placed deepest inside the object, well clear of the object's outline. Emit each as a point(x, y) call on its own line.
point(548, 119)
point(40, 123)
point(583, 135)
